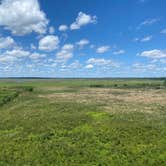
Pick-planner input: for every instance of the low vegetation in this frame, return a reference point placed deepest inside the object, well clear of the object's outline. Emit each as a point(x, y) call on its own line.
point(83, 122)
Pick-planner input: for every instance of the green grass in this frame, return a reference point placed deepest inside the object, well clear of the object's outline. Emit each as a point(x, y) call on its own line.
point(45, 131)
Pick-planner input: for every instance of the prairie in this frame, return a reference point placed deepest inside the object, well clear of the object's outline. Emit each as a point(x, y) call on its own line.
point(82, 122)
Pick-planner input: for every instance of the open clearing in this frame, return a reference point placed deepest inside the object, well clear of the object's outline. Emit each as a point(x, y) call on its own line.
point(87, 122)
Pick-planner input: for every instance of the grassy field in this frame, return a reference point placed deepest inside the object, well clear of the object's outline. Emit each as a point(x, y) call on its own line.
point(83, 122)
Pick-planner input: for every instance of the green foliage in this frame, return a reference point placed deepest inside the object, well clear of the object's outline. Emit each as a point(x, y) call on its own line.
point(47, 131)
point(164, 83)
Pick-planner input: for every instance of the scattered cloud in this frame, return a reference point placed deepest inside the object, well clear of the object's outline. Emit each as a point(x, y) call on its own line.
point(154, 54)
point(32, 46)
point(90, 66)
point(82, 20)
point(36, 56)
point(148, 22)
point(11, 56)
point(146, 39)
point(51, 30)
point(144, 67)
point(119, 52)
point(7, 59)
point(75, 65)
point(102, 49)
point(6, 42)
point(22, 17)
point(63, 28)
point(65, 53)
point(82, 43)
point(18, 52)
point(49, 43)
point(99, 61)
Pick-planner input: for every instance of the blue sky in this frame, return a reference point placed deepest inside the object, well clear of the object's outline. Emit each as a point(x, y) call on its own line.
point(82, 38)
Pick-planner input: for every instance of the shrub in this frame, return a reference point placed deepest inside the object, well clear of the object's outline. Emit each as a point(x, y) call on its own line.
point(97, 86)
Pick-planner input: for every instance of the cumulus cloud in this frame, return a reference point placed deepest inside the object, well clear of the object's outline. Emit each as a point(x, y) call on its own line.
point(82, 43)
point(63, 28)
point(155, 54)
point(36, 56)
point(6, 42)
point(18, 52)
point(99, 61)
point(90, 66)
point(144, 67)
point(146, 39)
point(22, 17)
point(65, 53)
point(75, 65)
point(82, 20)
point(102, 49)
point(49, 43)
point(51, 30)
point(102, 62)
point(7, 59)
point(11, 56)
point(119, 52)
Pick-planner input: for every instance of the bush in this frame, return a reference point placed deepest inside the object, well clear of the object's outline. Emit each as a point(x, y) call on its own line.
point(97, 86)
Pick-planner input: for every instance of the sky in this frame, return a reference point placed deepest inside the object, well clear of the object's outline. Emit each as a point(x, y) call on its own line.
point(82, 38)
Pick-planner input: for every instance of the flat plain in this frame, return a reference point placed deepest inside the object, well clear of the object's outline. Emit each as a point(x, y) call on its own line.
point(82, 122)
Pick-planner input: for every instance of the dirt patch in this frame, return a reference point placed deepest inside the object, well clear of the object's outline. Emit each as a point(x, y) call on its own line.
point(108, 96)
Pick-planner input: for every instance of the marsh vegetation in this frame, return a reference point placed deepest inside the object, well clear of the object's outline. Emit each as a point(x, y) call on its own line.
point(83, 122)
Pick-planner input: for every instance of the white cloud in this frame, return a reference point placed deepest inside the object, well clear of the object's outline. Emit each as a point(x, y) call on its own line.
point(99, 61)
point(32, 46)
point(145, 39)
point(63, 28)
point(49, 43)
point(7, 42)
point(90, 66)
point(102, 49)
point(154, 54)
point(11, 56)
point(144, 67)
point(7, 59)
point(22, 17)
point(18, 52)
point(65, 53)
point(75, 65)
point(150, 21)
point(82, 20)
point(119, 52)
point(51, 30)
point(82, 43)
point(68, 47)
point(163, 31)
point(36, 56)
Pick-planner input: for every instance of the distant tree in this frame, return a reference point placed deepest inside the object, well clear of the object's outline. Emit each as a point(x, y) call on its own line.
point(164, 83)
